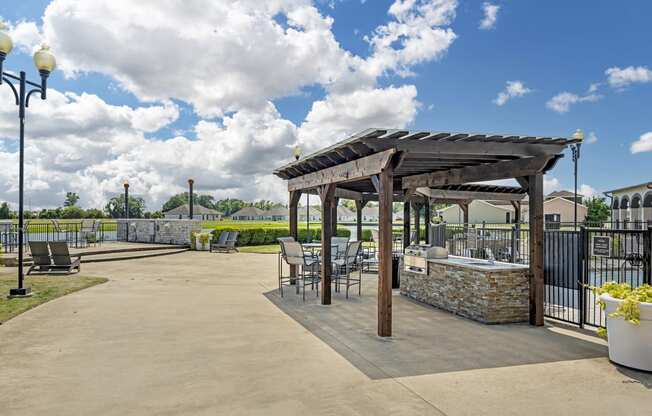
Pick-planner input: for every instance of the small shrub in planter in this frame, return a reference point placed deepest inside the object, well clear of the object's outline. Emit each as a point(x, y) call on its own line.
point(629, 323)
point(202, 241)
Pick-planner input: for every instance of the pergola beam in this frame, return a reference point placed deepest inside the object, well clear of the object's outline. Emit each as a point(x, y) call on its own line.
point(500, 170)
point(453, 195)
point(348, 171)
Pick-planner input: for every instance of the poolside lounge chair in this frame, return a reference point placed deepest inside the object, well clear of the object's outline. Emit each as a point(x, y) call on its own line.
point(61, 259)
point(220, 242)
point(40, 256)
point(229, 243)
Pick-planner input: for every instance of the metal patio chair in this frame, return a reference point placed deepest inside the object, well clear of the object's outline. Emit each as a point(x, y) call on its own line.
point(229, 243)
point(341, 243)
point(348, 263)
point(220, 242)
point(308, 273)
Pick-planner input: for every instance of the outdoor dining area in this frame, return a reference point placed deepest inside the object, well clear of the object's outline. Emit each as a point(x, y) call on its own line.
point(417, 168)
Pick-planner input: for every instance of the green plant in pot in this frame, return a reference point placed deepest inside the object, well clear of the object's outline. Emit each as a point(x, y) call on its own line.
point(629, 323)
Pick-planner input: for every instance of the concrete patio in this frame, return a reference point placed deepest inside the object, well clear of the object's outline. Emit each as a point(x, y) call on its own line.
point(202, 333)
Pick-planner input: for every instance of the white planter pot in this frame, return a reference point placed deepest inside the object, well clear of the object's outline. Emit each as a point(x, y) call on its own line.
point(199, 247)
point(629, 345)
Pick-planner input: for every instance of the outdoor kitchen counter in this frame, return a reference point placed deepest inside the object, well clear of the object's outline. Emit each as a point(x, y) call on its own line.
point(489, 293)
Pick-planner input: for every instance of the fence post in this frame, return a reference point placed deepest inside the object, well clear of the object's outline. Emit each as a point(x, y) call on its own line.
point(647, 255)
point(514, 247)
point(582, 271)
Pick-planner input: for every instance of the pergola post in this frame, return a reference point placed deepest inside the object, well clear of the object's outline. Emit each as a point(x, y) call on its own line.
point(406, 223)
point(417, 219)
point(385, 194)
point(427, 218)
point(294, 223)
point(327, 195)
point(336, 202)
point(359, 206)
point(517, 211)
point(535, 193)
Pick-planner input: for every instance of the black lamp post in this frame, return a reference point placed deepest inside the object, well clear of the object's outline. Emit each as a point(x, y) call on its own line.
point(190, 198)
point(575, 148)
point(45, 63)
point(126, 185)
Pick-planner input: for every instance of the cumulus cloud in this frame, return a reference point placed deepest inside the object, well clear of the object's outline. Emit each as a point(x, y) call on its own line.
point(592, 138)
point(228, 60)
point(512, 89)
point(587, 191)
point(551, 184)
point(562, 102)
point(623, 77)
point(643, 144)
point(490, 15)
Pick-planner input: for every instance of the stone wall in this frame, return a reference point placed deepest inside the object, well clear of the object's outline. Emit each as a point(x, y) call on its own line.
point(490, 297)
point(163, 231)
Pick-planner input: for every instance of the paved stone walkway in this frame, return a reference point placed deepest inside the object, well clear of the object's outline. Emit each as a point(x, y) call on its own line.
point(196, 334)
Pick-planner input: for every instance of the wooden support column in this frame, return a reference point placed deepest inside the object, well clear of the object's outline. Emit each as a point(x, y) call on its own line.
point(359, 206)
point(427, 219)
point(327, 195)
point(535, 193)
point(517, 211)
point(294, 222)
point(406, 223)
point(385, 252)
point(417, 221)
point(336, 202)
point(464, 206)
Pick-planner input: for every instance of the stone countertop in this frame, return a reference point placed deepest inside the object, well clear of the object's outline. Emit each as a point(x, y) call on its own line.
point(478, 264)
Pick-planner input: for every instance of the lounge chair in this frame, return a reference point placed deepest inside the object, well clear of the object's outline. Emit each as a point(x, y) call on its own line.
point(61, 259)
point(40, 256)
point(221, 241)
point(229, 243)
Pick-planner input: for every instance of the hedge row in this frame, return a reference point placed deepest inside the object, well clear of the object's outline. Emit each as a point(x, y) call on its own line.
point(262, 236)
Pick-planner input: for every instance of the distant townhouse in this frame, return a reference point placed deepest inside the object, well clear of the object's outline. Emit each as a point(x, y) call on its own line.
point(198, 213)
point(631, 205)
point(248, 214)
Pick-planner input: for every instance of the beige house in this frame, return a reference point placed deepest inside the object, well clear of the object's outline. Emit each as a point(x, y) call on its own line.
point(558, 209)
point(631, 204)
point(479, 211)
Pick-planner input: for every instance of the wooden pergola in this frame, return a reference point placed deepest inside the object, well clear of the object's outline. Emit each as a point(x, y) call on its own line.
point(416, 167)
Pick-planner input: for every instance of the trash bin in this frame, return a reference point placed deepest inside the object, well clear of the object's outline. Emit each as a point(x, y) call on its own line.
point(396, 276)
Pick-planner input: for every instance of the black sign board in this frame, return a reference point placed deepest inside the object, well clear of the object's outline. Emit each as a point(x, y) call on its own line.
point(601, 246)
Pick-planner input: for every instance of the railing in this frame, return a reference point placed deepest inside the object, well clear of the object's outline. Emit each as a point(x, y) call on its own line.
point(482, 241)
point(76, 233)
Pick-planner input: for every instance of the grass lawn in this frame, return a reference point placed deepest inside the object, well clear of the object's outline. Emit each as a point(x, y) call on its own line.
point(45, 288)
point(266, 249)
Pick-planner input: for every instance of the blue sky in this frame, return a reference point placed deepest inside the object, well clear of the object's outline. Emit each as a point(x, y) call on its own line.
point(548, 47)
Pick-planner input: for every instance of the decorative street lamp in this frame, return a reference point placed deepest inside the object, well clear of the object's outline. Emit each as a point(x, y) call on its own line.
point(575, 148)
point(190, 198)
point(126, 185)
point(297, 154)
point(45, 63)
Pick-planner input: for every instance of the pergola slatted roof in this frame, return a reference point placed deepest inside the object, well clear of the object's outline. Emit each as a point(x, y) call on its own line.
point(426, 151)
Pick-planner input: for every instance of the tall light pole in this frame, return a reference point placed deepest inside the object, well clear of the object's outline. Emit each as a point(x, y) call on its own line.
point(190, 198)
point(45, 63)
point(126, 185)
point(575, 148)
point(297, 154)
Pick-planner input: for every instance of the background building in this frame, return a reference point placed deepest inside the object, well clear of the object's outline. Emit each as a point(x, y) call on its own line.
point(632, 204)
point(198, 213)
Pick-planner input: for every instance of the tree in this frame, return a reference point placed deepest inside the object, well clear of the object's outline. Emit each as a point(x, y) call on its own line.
point(5, 212)
point(597, 211)
point(72, 212)
point(229, 206)
point(94, 213)
point(177, 200)
point(115, 208)
point(71, 199)
point(155, 214)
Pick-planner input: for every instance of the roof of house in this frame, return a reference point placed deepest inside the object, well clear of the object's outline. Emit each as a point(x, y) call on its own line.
point(343, 211)
point(646, 184)
point(525, 207)
point(248, 212)
point(277, 212)
point(196, 209)
point(562, 194)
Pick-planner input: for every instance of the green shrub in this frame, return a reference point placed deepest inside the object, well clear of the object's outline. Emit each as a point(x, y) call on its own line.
point(268, 235)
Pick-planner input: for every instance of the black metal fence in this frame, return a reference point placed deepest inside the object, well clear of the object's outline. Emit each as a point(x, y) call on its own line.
point(78, 234)
point(574, 261)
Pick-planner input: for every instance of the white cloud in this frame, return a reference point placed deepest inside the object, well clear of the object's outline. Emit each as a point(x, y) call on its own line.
point(622, 77)
point(490, 15)
point(587, 191)
point(340, 115)
point(512, 89)
point(643, 144)
point(229, 60)
point(551, 184)
point(562, 102)
point(592, 138)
